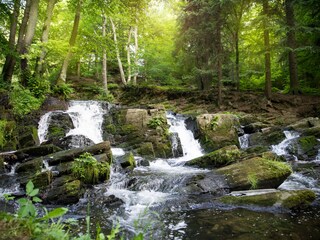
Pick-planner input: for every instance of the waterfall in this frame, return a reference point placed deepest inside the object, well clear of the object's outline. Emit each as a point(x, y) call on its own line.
point(280, 149)
point(43, 126)
point(87, 117)
point(191, 147)
point(244, 141)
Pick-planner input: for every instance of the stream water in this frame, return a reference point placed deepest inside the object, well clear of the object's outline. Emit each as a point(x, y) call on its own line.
point(154, 199)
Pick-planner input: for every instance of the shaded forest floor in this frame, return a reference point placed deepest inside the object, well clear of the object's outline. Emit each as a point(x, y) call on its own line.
point(282, 109)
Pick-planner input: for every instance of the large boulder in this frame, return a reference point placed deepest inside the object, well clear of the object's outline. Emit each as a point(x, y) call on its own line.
point(28, 136)
point(60, 124)
point(267, 137)
point(218, 130)
point(305, 147)
point(307, 127)
point(255, 173)
point(64, 190)
point(271, 197)
point(74, 141)
point(218, 158)
point(133, 128)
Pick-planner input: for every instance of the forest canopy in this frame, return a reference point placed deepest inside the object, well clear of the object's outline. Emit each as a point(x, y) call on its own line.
point(270, 46)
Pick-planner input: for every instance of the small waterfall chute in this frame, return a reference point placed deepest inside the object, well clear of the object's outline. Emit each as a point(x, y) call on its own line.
point(281, 148)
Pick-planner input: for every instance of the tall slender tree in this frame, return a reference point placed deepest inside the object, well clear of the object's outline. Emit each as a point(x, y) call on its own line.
point(45, 37)
point(291, 43)
point(267, 49)
point(8, 67)
point(72, 42)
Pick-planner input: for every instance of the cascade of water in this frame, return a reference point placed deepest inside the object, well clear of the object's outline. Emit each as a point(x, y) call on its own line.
point(158, 182)
point(244, 141)
point(190, 146)
point(43, 126)
point(280, 149)
point(87, 117)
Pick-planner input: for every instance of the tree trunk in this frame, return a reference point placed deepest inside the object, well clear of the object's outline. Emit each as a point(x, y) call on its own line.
point(104, 57)
point(136, 49)
point(8, 67)
point(237, 60)
point(123, 78)
point(72, 41)
point(219, 52)
point(129, 55)
point(79, 70)
point(267, 49)
point(291, 42)
point(44, 38)
point(29, 34)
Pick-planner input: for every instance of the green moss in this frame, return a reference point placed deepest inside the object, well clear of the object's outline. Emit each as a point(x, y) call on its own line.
point(8, 135)
point(146, 149)
point(56, 132)
point(261, 200)
point(127, 129)
point(302, 197)
point(218, 158)
point(278, 168)
point(307, 143)
point(111, 128)
point(287, 199)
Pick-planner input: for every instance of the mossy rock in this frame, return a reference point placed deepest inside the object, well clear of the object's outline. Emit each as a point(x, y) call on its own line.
point(271, 197)
point(218, 158)
point(2, 169)
point(304, 148)
point(59, 125)
point(269, 137)
point(30, 167)
point(64, 190)
point(40, 180)
point(146, 149)
point(255, 173)
point(28, 136)
point(8, 135)
point(218, 130)
point(127, 161)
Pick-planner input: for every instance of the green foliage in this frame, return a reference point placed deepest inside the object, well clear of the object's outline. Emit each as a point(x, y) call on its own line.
point(89, 170)
point(214, 122)
point(156, 122)
point(23, 101)
point(38, 87)
point(253, 180)
point(64, 90)
point(3, 124)
point(106, 97)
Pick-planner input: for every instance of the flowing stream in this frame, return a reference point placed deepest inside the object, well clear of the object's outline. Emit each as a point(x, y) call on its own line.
point(158, 201)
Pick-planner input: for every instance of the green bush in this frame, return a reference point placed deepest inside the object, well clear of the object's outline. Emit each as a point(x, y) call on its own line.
point(89, 170)
point(64, 90)
point(38, 87)
point(156, 122)
point(23, 101)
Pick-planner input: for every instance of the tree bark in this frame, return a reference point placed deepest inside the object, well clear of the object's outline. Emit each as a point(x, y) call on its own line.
point(72, 41)
point(7, 70)
point(268, 84)
point(291, 42)
point(39, 70)
point(104, 57)
point(219, 51)
point(123, 78)
point(129, 55)
point(136, 59)
point(237, 60)
point(29, 34)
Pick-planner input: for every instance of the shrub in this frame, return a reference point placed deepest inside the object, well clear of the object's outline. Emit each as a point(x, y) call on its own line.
point(64, 90)
point(23, 101)
point(89, 170)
